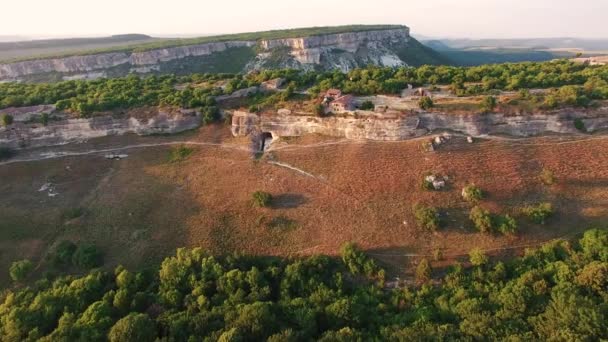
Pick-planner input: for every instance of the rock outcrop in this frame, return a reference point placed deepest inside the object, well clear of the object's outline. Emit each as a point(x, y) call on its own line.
point(23, 135)
point(343, 51)
point(401, 127)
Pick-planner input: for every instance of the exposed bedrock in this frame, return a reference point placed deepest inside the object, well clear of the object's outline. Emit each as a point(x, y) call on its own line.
point(24, 135)
point(395, 128)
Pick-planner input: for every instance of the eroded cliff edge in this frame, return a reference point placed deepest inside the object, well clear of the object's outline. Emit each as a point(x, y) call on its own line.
point(344, 51)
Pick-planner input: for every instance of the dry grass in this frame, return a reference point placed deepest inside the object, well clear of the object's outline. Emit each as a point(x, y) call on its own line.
point(140, 209)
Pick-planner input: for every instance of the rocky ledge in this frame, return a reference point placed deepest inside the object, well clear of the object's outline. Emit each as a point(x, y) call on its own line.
point(63, 131)
point(395, 127)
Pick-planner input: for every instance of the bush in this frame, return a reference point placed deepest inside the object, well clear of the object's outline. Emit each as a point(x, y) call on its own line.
point(472, 193)
point(261, 199)
point(179, 153)
point(357, 262)
point(20, 269)
point(427, 218)
point(319, 110)
point(580, 125)
point(367, 105)
point(506, 224)
point(477, 257)
point(423, 272)
point(63, 253)
point(547, 177)
point(488, 104)
point(87, 256)
point(482, 219)
point(539, 213)
point(6, 120)
point(425, 103)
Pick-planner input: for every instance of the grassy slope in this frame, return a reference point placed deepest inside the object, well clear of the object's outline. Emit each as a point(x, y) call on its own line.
point(253, 36)
point(140, 209)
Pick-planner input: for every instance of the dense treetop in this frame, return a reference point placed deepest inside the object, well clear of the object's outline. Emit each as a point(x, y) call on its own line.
point(556, 292)
point(574, 83)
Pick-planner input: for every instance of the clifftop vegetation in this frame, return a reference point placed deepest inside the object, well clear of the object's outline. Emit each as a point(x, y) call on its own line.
point(574, 84)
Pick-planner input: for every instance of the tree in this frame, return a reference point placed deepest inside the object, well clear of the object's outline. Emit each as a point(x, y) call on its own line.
point(482, 219)
point(6, 119)
point(477, 257)
point(133, 327)
point(87, 256)
point(539, 213)
point(261, 199)
point(425, 103)
point(472, 193)
point(427, 218)
point(319, 110)
point(63, 253)
point(367, 105)
point(423, 272)
point(488, 104)
point(20, 269)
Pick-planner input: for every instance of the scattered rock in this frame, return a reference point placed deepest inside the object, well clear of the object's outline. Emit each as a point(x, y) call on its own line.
point(114, 156)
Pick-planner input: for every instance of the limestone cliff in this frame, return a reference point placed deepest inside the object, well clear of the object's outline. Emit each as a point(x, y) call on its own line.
point(27, 135)
point(386, 47)
point(400, 127)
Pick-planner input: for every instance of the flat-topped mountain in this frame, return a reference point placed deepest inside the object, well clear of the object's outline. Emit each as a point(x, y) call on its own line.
point(327, 48)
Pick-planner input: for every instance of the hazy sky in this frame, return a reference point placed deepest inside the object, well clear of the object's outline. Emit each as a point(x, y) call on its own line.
point(443, 18)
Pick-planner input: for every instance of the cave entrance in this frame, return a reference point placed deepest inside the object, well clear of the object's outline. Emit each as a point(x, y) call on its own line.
point(266, 140)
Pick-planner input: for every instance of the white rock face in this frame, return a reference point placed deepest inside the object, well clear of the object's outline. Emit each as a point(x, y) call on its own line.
point(22, 135)
point(395, 128)
point(343, 51)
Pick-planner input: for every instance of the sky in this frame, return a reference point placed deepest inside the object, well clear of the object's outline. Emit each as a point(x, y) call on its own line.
point(435, 18)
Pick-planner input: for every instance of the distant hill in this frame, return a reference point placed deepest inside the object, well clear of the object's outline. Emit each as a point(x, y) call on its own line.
point(16, 50)
point(531, 43)
point(469, 52)
point(315, 48)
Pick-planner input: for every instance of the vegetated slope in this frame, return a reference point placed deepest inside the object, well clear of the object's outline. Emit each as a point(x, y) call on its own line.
point(327, 48)
point(57, 47)
point(554, 292)
point(139, 209)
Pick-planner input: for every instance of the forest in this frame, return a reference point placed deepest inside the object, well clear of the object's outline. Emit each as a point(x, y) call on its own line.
point(573, 84)
point(557, 292)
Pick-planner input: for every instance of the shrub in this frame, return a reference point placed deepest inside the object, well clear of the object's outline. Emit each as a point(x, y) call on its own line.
point(580, 125)
point(547, 177)
point(261, 199)
point(427, 218)
point(488, 104)
point(367, 105)
point(356, 261)
point(472, 193)
point(6, 120)
point(477, 257)
point(319, 110)
point(63, 253)
point(19, 270)
point(506, 224)
point(6, 153)
point(482, 219)
point(437, 254)
point(423, 272)
point(539, 213)
point(179, 153)
point(425, 103)
point(87, 256)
